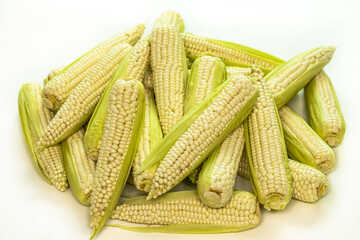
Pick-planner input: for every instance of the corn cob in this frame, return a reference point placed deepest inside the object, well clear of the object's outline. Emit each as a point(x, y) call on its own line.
point(309, 184)
point(171, 18)
point(291, 76)
point(78, 167)
point(52, 74)
point(231, 71)
point(266, 151)
point(79, 106)
point(302, 142)
point(206, 74)
point(323, 110)
point(217, 177)
point(119, 143)
point(151, 136)
point(60, 87)
point(199, 132)
point(183, 212)
point(34, 120)
point(231, 53)
point(133, 65)
point(168, 63)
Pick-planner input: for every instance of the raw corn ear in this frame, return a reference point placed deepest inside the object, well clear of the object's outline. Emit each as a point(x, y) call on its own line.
point(231, 71)
point(309, 184)
point(171, 18)
point(150, 137)
point(231, 53)
point(133, 65)
point(266, 151)
point(217, 177)
point(59, 88)
point(168, 64)
point(119, 143)
point(52, 74)
point(78, 167)
point(34, 121)
point(199, 132)
point(79, 106)
point(302, 142)
point(183, 212)
point(206, 74)
point(291, 76)
point(323, 110)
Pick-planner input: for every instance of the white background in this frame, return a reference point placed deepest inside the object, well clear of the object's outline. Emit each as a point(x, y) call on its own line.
point(36, 36)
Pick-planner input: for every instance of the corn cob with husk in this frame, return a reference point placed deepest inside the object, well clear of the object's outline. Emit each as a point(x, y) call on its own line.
point(206, 74)
point(150, 137)
point(133, 65)
point(217, 176)
point(168, 64)
point(183, 212)
point(78, 167)
point(232, 54)
point(52, 74)
point(119, 143)
point(291, 76)
point(302, 142)
point(171, 18)
point(199, 132)
point(34, 121)
point(323, 110)
point(79, 106)
point(308, 183)
point(59, 88)
point(266, 150)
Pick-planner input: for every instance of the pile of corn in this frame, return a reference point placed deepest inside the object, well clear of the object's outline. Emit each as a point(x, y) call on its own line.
point(158, 110)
